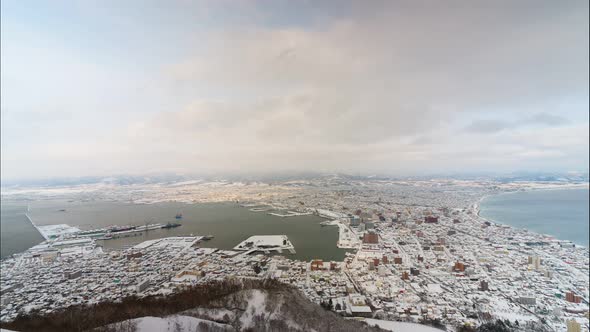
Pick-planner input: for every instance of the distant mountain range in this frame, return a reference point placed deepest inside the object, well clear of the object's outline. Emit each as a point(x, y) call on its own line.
point(303, 176)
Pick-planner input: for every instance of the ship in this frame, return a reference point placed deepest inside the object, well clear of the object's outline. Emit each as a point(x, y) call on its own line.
point(170, 225)
point(121, 228)
point(178, 216)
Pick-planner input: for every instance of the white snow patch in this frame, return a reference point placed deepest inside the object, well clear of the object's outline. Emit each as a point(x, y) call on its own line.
point(400, 326)
point(256, 307)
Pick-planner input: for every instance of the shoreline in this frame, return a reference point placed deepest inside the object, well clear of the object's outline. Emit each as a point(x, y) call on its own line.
point(478, 203)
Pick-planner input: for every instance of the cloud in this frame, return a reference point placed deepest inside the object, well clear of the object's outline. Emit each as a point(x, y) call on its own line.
point(393, 87)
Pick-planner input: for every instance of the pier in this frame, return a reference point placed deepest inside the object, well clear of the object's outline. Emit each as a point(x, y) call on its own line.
point(266, 244)
point(289, 214)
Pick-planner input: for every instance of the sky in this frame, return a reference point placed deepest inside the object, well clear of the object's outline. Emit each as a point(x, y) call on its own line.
point(360, 87)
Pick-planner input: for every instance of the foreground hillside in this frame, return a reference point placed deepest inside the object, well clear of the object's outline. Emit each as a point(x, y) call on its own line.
point(233, 305)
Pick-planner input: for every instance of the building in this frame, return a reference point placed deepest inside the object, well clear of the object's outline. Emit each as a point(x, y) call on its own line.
point(431, 220)
point(132, 255)
point(143, 285)
point(459, 267)
point(358, 306)
point(438, 248)
point(334, 266)
point(483, 285)
point(528, 300)
point(371, 238)
point(317, 264)
point(355, 221)
point(397, 260)
point(571, 297)
point(573, 326)
point(535, 262)
point(414, 272)
point(72, 274)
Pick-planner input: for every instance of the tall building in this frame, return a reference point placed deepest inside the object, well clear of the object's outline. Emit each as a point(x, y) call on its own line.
point(535, 262)
point(459, 267)
point(371, 238)
point(573, 326)
point(571, 297)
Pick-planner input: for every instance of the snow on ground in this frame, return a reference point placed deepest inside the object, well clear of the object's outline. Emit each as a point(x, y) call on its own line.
point(55, 231)
point(170, 323)
point(256, 306)
point(400, 326)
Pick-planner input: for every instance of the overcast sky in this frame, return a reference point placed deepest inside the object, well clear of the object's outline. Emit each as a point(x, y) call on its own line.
point(399, 87)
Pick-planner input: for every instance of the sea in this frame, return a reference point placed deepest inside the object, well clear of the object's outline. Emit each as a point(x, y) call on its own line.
point(229, 223)
point(561, 213)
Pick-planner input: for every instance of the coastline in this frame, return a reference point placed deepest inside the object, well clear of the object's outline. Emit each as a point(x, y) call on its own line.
point(478, 203)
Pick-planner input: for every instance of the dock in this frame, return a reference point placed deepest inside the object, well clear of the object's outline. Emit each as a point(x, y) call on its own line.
point(289, 214)
point(266, 244)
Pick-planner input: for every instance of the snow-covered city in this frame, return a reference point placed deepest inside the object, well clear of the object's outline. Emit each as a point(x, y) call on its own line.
point(418, 253)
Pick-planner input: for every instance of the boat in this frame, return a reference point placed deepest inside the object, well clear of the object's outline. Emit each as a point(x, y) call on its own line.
point(171, 225)
point(207, 237)
point(121, 228)
point(178, 216)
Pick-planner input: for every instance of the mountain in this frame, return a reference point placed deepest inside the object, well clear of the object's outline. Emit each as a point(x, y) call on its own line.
point(223, 306)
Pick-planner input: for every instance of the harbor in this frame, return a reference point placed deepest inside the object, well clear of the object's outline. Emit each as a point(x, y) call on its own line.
point(60, 232)
point(223, 224)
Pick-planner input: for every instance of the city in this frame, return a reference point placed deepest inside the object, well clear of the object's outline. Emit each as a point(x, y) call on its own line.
point(294, 166)
point(421, 253)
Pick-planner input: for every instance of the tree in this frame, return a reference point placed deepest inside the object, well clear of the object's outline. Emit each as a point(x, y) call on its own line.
point(466, 328)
